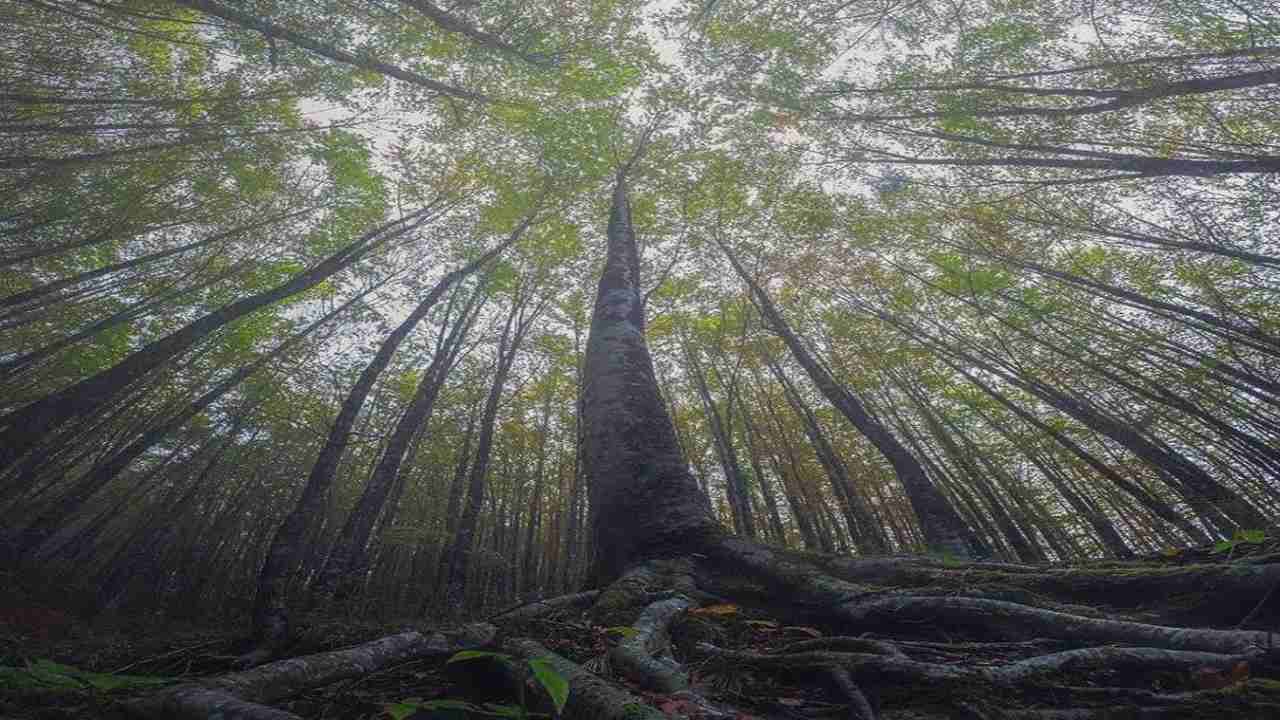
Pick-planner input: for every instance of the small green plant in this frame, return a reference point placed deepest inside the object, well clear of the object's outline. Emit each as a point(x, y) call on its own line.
point(1241, 537)
point(47, 674)
point(537, 669)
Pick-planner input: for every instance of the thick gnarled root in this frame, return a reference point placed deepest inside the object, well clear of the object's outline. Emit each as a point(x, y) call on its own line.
point(1051, 647)
point(246, 695)
point(542, 608)
point(913, 637)
point(590, 697)
point(644, 656)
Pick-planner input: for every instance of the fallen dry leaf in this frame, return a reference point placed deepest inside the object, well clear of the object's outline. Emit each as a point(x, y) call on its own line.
point(716, 610)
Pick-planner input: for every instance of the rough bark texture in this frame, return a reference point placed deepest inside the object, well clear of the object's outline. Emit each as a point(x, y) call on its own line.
point(644, 500)
point(935, 638)
point(242, 695)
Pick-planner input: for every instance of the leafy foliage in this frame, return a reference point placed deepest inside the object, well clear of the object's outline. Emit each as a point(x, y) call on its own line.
point(44, 673)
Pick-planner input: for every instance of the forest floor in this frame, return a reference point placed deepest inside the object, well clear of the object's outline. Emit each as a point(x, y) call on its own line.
point(54, 665)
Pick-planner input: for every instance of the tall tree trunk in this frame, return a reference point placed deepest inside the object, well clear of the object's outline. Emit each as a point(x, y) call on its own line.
point(269, 29)
point(1153, 504)
point(866, 532)
point(141, 552)
point(644, 500)
point(1023, 544)
point(943, 528)
point(795, 496)
point(736, 486)
point(1201, 491)
point(270, 619)
point(455, 24)
point(35, 293)
point(459, 559)
point(104, 471)
point(24, 428)
point(529, 566)
point(348, 559)
point(749, 434)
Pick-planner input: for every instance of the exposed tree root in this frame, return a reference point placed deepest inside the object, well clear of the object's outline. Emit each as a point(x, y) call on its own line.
point(542, 608)
point(645, 657)
point(859, 706)
point(1220, 593)
point(855, 606)
point(245, 694)
point(909, 671)
point(590, 696)
point(847, 644)
point(1012, 619)
point(933, 655)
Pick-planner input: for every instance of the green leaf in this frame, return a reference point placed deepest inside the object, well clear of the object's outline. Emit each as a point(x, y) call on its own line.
point(400, 710)
point(556, 685)
point(506, 711)
point(465, 655)
point(45, 673)
point(1250, 536)
point(442, 709)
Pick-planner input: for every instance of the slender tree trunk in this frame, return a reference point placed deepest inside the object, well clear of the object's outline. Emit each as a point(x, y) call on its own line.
point(348, 559)
point(270, 619)
point(459, 559)
point(1023, 545)
point(749, 434)
point(736, 486)
point(1200, 490)
point(795, 496)
point(944, 530)
point(24, 428)
point(35, 293)
point(141, 552)
point(269, 29)
point(530, 567)
point(866, 532)
point(455, 24)
point(104, 471)
point(1154, 505)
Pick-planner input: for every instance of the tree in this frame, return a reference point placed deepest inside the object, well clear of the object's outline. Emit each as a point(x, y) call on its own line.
point(1018, 260)
point(270, 619)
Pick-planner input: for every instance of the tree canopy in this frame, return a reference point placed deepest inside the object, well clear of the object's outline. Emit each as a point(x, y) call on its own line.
point(295, 297)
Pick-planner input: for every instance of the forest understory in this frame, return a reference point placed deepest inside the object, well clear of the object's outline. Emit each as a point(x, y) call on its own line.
point(738, 632)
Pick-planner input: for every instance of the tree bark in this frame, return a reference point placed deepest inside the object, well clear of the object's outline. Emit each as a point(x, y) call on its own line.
point(517, 325)
point(944, 530)
point(736, 486)
point(24, 428)
point(348, 559)
point(644, 500)
point(270, 619)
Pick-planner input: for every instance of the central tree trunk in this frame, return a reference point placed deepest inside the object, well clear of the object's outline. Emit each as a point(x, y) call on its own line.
point(644, 501)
